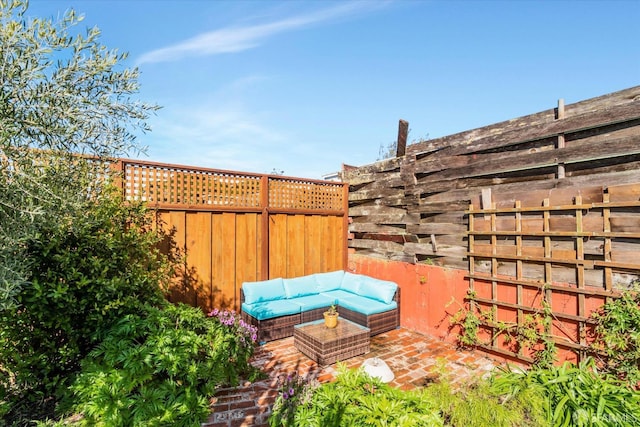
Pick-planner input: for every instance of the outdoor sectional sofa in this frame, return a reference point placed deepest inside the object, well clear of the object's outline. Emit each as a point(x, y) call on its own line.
point(275, 306)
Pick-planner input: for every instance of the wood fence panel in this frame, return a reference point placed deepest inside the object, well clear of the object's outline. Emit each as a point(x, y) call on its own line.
point(246, 252)
point(225, 280)
point(198, 248)
point(296, 253)
point(278, 246)
point(571, 280)
point(175, 224)
point(233, 227)
point(313, 241)
point(411, 208)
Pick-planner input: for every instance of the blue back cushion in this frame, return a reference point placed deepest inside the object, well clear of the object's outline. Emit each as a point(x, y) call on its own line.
point(351, 282)
point(381, 290)
point(267, 290)
point(329, 281)
point(300, 286)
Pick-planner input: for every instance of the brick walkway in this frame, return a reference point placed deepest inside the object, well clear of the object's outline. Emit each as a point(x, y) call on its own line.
point(415, 360)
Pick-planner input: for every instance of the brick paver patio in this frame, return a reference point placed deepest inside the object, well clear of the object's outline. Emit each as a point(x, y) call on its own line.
point(415, 359)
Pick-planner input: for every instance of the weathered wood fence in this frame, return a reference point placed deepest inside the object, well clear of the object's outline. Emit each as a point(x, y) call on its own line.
point(542, 207)
point(235, 227)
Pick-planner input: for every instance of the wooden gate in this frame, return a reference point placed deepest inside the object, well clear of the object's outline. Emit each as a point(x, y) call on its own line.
point(234, 226)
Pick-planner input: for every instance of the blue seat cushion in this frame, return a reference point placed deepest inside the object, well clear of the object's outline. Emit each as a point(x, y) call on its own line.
point(270, 309)
point(328, 281)
point(366, 305)
point(266, 290)
point(311, 302)
point(337, 295)
point(300, 286)
point(351, 282)
point(381, 290)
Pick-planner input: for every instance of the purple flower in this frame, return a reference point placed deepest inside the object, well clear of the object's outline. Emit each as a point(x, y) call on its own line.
point(291, 391)
point(254, 337)
point(285, 396)
point(215, 311)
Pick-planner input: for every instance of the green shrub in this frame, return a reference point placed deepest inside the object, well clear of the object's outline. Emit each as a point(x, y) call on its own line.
point(576, 395)
point(354, 399)
point(86, 273)
point(617, 334)
point(294, 390)
point(478, 404)
point(161, 367)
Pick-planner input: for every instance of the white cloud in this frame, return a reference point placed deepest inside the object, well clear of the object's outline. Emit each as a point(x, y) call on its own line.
point(220, 137)
point(236, 39)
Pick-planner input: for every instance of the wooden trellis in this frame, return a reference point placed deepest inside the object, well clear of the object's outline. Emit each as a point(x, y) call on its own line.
point(569, 256)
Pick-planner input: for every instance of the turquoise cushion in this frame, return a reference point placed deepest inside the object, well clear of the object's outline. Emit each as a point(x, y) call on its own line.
point(311, 302)
point(337, 295)
point(267, 290)
point(366, 305)
point(381, 290)
point(328, 281)
point(300, 286)
point(269, 309)
point(351, 282)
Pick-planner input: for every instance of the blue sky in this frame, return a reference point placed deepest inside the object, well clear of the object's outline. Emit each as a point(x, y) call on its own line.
point(304, 86)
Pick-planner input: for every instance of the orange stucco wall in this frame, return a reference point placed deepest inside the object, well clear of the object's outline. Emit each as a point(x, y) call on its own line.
point(430, 295)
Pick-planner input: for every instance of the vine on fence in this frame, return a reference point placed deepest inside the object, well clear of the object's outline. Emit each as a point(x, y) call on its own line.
point(616, 334)
point(532, 332)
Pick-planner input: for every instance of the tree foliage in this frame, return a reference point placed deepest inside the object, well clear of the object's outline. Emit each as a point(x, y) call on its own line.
point(62, 94)
point(73, 257)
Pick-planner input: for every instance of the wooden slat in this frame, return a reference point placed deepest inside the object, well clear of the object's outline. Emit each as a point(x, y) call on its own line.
point(589, 120)
point(246, 251)
point(198, 226)
point(313, 243)
point(296, 246)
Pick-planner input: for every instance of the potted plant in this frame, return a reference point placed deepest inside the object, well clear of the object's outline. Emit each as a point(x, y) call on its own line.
point(331, 317)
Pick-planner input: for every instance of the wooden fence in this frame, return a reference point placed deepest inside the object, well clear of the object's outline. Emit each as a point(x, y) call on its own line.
point(235, 227)
point(569, 253)
point(545, 206)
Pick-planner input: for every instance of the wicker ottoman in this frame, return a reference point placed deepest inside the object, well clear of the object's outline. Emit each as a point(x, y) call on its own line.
point(329, 345)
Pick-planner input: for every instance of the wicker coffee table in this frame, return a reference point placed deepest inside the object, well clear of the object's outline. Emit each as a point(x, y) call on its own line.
point(329, 345)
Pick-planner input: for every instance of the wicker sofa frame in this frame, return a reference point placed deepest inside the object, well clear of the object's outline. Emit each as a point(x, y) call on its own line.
point(282, 326)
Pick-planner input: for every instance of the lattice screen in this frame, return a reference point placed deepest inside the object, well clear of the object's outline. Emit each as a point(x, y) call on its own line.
point(166, 185)
point(570, 256)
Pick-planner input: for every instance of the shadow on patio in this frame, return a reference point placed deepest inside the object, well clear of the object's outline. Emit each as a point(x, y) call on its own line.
point(415, 359)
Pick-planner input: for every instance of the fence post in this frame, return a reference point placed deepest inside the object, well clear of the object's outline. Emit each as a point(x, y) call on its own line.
point(264, 205)
point(403, 132)
point(561, 142)
point(345, 225)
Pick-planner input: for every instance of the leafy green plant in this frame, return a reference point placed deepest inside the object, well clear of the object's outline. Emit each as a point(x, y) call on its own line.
point(469, 321)
point(160, 367)
point(71, 259)
point(63, 94)
point(294, 390)
point(617, 336)
point(355, 399)
point(533, 332)
point(87, 273)
point(576, 395)
point(238, 345)
point(478, 404)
